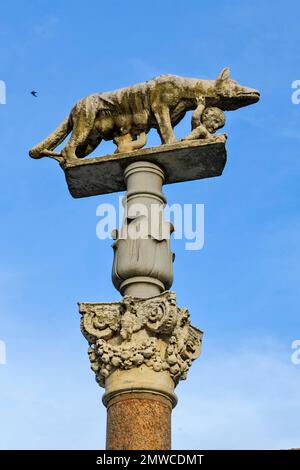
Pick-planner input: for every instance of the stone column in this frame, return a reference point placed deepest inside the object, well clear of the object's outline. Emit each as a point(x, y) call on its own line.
point(143, 345)
point(139, 398)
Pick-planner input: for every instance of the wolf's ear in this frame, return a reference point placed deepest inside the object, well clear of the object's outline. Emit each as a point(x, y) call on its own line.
point(223, 76)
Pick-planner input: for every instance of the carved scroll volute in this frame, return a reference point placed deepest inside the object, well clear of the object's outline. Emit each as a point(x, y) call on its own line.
point(100, 321)
point(189, 338)
point(161, 315)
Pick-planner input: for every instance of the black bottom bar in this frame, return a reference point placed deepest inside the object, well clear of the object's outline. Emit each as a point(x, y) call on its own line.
point(127, 459)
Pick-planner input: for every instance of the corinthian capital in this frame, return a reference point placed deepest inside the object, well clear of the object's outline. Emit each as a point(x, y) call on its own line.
point(152, 332)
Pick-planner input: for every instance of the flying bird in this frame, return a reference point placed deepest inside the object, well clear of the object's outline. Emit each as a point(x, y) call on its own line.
point(34, 93)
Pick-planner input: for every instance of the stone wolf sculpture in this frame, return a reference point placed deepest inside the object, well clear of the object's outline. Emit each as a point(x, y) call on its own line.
point(127, 114)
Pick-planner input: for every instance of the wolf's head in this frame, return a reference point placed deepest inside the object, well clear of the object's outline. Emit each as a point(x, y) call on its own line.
point(230, 95)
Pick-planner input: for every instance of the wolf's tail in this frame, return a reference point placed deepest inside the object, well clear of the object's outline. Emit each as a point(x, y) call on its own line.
point(45, 147)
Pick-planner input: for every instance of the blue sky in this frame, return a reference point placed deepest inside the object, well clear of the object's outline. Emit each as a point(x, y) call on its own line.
point(242, 289)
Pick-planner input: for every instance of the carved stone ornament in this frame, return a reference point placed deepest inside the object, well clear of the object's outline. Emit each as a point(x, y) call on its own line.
point(153, 332)
point(147, 257)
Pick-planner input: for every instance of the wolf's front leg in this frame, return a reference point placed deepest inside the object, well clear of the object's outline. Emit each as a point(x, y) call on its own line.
point(162, 116)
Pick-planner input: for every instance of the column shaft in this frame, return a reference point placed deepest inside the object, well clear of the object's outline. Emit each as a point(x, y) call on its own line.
point(138, 421)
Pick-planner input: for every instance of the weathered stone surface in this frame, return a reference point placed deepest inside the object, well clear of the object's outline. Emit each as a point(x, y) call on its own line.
point(183, 161)
point(153, 333)
point(138, 421)
point(127, 114)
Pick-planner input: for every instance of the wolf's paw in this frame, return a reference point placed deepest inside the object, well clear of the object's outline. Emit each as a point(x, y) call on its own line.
point(35, 152)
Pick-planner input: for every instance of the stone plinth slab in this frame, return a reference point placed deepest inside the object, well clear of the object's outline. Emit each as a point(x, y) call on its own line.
point(182, 161)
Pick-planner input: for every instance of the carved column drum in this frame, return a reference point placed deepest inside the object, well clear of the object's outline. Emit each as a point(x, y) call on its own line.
point(143, 261)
